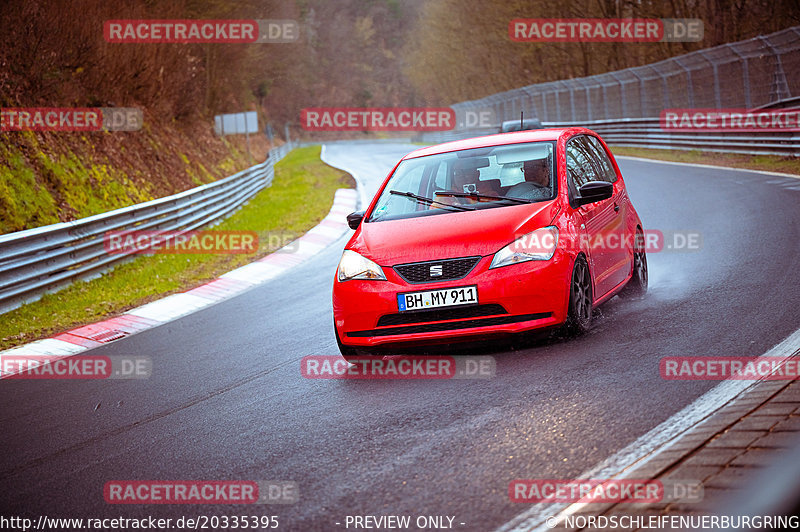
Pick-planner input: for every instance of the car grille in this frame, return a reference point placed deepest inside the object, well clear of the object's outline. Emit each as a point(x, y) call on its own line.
point(458, 313)
point(449, 325)
point(420, 272)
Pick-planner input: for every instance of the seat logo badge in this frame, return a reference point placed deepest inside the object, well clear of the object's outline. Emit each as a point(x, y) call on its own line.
point(436, 270)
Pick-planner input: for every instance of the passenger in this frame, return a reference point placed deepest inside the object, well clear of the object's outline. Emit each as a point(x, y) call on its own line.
point(537, 171)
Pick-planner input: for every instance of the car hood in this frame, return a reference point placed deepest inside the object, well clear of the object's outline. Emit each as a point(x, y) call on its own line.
point(444, 236)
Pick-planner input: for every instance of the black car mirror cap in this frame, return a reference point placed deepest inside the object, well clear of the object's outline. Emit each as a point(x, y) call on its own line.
point(594, 191)
point(354, 219)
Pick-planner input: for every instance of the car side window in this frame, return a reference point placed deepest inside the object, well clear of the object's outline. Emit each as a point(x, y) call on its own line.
point(587, 161)
point(580, 167)
point(605, 169)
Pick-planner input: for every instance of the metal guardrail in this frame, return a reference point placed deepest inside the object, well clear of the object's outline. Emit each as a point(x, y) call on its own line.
point(647, 133)
point(46, 259)
point(758, 73)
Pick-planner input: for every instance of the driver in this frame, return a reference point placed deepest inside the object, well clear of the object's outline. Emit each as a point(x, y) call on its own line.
point(537, 181)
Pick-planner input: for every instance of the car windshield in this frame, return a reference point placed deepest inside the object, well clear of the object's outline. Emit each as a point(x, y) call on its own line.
point(479, 178)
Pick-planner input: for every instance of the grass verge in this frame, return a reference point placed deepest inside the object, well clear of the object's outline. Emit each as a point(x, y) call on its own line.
point(767, 163)
point(300, 196)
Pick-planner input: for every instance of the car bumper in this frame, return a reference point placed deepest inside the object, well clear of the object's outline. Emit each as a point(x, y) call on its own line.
point(512, 299)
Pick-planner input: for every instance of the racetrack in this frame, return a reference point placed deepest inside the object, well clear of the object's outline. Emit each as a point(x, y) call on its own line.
point(226, 399)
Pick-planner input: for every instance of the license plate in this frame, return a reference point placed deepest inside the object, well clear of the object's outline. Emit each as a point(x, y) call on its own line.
point(444, 297)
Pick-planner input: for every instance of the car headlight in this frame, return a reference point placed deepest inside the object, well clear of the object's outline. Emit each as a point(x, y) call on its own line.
point(536, 245)
point(354, 266)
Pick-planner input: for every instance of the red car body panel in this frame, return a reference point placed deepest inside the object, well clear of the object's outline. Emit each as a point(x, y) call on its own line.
point(400, 241)
point(534, 294)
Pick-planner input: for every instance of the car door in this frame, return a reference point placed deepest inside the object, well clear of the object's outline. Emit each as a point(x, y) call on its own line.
point(619, 254)
point(601, 221)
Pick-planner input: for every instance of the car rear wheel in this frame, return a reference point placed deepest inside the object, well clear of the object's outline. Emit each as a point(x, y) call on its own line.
point(637, 285)
point(579, 313)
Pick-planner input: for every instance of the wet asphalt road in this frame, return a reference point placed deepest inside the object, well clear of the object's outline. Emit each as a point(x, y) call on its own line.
point(227, 401)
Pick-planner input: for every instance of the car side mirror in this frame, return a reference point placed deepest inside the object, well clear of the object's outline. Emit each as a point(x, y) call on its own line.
point(594, 191)
point(354, 219)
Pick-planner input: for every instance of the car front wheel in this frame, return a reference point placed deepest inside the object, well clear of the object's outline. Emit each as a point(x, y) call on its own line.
point(579, 313)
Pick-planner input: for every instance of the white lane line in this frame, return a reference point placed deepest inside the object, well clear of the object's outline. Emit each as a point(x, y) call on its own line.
point(254, 273)
point(762, 172)
point(43, 351)
point(345, 194)
point(171, 307)
point(647, 447)
point(329, 232)
point(359, 183)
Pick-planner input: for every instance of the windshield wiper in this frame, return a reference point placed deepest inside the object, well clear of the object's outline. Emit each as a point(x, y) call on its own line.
point(477, 196)
point(429, 201)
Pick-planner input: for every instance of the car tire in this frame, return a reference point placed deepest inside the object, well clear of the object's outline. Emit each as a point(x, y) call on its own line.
point(579, 312)
point(345, 350)
point(636, 287)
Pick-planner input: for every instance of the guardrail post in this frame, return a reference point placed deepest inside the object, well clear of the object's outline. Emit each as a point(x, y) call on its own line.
point(745, 77)
point(544, 106)
point(588, 99)
point(642, 112)
point(621, 93)
point(571, 99)
point(689, 84)
point(558, 104)
point(717, 96)
point(779, 86)
point(664, 87)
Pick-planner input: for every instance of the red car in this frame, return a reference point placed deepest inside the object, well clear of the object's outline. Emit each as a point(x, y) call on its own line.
point(487, 236)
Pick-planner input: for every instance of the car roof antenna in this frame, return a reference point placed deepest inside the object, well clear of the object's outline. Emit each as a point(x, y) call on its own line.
point(520, 120)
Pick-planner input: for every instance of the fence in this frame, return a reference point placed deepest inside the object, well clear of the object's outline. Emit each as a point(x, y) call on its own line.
point(762, 72)
point(749, 74)
point(45, 259)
